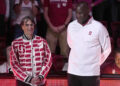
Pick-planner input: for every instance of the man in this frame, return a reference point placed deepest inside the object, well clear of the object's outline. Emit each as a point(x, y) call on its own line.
point(57, 14)
point(30, 57)
point(91, 3)
point(90, 45)
point(113, 67)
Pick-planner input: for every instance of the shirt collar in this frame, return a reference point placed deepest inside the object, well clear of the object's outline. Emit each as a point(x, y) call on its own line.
point(88, 22)
point(26, 38)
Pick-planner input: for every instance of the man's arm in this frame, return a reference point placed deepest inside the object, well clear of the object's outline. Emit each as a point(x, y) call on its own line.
point(47, 61)
point(69, 40)
point(52, 27)
point(69, 13)
point(96, 2)
point(17, 6)
point(47, 17)
point(35, 8)
point(7, 10)
point(62, 27)
point(104, 40)
point(68, 19)
point(46, 9)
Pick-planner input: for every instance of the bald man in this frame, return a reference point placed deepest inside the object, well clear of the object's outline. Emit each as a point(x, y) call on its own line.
point(90, 46)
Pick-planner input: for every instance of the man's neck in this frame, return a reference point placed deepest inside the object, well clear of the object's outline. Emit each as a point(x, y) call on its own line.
point(86, 20)
point(28, 37)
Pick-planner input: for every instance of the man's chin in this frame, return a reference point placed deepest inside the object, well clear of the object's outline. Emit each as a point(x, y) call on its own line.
point(30, 33)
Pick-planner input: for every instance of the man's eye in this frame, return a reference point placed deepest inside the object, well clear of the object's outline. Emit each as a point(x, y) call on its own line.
point(29, 25)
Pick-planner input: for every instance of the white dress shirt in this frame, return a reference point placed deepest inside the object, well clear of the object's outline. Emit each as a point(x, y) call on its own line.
point(90, 46)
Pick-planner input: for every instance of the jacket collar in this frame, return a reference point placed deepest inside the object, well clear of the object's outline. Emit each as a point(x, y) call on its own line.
point(26, 38)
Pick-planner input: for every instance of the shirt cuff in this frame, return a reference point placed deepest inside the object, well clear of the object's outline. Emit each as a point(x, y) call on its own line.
point(28, 79)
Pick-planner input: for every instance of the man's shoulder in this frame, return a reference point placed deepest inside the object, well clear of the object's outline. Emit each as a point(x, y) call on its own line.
point(18, 39)
point(73, 23)
point(97, 23)
point(39, 38)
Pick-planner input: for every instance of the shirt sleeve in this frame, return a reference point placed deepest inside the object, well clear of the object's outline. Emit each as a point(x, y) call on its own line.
point(104, 40)
point(70, 4)
point(36, 3)
point(69, 39)
point(7, 8)
point(17, 1)
point(18, 71)
point(46, 3)
point(47, 60)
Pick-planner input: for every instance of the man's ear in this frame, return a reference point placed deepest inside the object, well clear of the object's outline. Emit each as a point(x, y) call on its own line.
point(89, 11)
point(22, 27)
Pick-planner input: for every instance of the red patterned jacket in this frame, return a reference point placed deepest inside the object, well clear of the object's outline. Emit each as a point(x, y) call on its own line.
point(30, 58)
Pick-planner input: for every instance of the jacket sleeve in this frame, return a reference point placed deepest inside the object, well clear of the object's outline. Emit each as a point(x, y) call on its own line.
point(18, 71)
point(47, 60)
point(104, 40)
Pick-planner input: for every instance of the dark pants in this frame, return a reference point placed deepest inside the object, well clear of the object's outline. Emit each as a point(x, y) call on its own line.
point(74, 80)
point(20, 83)
point(2, 25)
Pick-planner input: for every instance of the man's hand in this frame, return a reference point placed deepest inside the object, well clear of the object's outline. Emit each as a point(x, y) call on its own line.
point(61, 28)
point(36, 81)
point(54, 28)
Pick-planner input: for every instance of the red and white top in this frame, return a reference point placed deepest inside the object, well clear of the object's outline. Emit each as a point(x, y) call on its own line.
point(30, 58)
point(58, 10)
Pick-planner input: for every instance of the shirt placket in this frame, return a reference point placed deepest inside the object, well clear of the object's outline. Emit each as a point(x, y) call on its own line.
point(33, 59)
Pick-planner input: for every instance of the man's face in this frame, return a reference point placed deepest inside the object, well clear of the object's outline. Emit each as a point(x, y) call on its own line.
point(28, 27)
point(82, 14)
point(117, 59)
